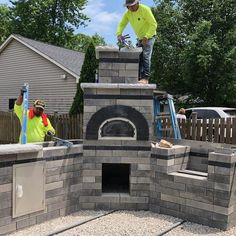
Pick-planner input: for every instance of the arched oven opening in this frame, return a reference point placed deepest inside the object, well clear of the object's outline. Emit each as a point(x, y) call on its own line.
point(119, 122)
point(117, 128)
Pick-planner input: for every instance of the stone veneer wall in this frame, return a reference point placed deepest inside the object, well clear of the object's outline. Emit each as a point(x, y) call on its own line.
point(206, 199)
point(63, 182)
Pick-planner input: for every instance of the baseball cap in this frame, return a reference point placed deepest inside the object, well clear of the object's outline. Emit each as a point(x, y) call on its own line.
point(39, 104)
point(129, 3)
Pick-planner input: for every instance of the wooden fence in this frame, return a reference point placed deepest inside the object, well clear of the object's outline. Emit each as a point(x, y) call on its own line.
point(212, 130)
point(66, 127)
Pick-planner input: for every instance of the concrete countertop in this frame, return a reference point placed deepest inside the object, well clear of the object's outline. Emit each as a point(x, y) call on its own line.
point(115, 86)
point(19, 148)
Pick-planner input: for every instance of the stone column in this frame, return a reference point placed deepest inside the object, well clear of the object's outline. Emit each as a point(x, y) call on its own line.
point(221, 172)
point(118, 66)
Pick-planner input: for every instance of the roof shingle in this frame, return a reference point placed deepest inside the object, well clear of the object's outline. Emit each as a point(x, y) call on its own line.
point(72, 60)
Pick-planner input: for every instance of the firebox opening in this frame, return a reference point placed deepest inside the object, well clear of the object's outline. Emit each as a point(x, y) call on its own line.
point(115, 178)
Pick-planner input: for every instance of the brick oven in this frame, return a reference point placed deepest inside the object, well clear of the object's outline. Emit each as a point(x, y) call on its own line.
point(118, 126)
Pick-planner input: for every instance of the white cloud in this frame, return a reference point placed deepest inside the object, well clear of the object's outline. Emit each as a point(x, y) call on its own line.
point(4, 2)
point(102, 21)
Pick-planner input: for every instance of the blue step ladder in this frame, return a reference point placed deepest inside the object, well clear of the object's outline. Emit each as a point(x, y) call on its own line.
point(164, 99)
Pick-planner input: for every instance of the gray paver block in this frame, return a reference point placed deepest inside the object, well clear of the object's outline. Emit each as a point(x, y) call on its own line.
point(118, 66)
point(5, 179)
point(131, 80)
point(223, 210)
point(6, 171)
point(197, 212)
point(5, 187)
point(170, 205)
point(76, 187)
point(5, 220)
point(174, 199)
point(8, 228)
point(91, 173)
point(92, 185)
point(90, 91)
point(47, 216)
point(55, 199)
point(196, 197)
point(55, 192)
point(220, 217)
point(172, 185)
point(54, 185)
point(223, 170)
point(107, 73)
point(5, 212)
point(118, 79)
point(200, 205)
point(25, 223)
point(88, 179)
point(87, 206)
point(132, 66)
point(5, 200)
point(105, 66)
point(104, 79)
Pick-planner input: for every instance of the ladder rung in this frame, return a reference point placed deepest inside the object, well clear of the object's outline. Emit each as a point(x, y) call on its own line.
point(161, 97)
point(163, 113)
point(166, 129)
point(160, 117)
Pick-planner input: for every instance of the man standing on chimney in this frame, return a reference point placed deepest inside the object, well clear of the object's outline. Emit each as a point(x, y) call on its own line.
point(144, 25)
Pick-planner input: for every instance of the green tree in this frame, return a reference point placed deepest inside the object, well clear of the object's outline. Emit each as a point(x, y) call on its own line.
point(5, 22)
point(80, 42)
point(195, 51)
point(210, 65)
point(167, 52)
point(87, 75)
point(51, 21)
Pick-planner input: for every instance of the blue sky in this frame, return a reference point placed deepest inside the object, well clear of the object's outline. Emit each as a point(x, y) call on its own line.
point(105, 15)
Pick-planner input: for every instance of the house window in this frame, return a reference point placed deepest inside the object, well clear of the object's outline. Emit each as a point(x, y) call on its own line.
point(11, 104)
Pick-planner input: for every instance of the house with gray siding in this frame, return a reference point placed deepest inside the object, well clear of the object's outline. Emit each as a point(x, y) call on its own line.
point(51, 72)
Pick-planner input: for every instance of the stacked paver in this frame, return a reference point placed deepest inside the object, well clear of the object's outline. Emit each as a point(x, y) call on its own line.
point(205, 198)
point(117, 66)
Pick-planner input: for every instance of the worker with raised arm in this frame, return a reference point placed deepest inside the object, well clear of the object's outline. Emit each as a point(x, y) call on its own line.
point(144, 25)
point(38, 125)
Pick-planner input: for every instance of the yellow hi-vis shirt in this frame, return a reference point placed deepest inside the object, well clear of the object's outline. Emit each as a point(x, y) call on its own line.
point(142, 22)
point(35, 131)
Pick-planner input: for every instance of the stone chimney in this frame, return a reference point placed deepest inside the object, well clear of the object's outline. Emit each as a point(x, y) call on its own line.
point(118, 66)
